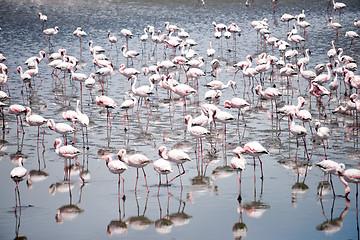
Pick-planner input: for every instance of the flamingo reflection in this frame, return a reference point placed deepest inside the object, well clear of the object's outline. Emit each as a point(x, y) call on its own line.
point(333, 225)
point(240, 229)
point(180, 218)
point(163, 225)
point(118, 227)
point(17, 226)
point(69, 211)
point(139, 222)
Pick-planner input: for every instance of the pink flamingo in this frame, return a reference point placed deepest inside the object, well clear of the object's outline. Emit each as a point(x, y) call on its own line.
point(62, 128)
point(298, 131)
point(135, 160)
point(68, 152)
point(79, 33)
point(17, 175)
point(117, 167)
point(143, 92)
point(183, 90)
point(350, 175)
point(176, 156)
point(329, 167)
point(17, 110)
point(36, 120)
point(51, 32)
point(128, 72)
point(33, 61)
point(163, 167)
point(269, 93)
point(128, 104)
point(289, 109)
point(254, 149)
point(108, 103)
point(129, 54)
point(323, 133)
point(334, 25)
point(112, 40)
point(238, 103)
point(238, 163)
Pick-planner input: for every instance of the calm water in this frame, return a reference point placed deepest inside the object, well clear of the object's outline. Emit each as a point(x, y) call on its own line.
point(285, 205)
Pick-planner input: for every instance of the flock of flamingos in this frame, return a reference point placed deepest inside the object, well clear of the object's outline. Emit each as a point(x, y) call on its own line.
point(178, 74)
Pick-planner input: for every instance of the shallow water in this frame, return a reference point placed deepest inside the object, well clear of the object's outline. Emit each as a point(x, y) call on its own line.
point(285, 205)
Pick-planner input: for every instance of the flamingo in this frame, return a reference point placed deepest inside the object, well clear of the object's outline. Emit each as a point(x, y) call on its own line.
point(163, 167)
point(218, 85)
point(303, 24)
point(79, 77)
point(83, 119)
point(105, 71)
point(127, 34)
point(338, 6)
point(51, 32)
point(212, 95)
point(112, 40)
point(269, 93)
point(128, 104)
point(287, 18)
point(43, 18)
point(254, 149)
point(35, 120)
point(305, 116)
point(349, 175)
point(298, 131)
point(117, 167)
point(68, 152)
point(238, 163)
point(135, 160)
point(128, 72)
point(176, 156)
point(61, 128)
point(198, 132)
point(329, 167)
point(210, 52)
point(288, 109)
point(183, 90)
point(94, 50)
point(223, 117)
point(17, 110)
point(129, 54)
point(108, 103)
point(352, 35)
point(31, 62)
point(323, 78)
point(143, 92)
point(323, 133)
point(79, 33)
point(334, 25)
point(17, 175)
point(238, 103)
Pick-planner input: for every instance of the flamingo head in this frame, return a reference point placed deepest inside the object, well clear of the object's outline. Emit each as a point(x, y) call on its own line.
point(187, 118)
point(57, 143)
point(51, 125)
point(121, 154)
point(161, 150)
point(238, 151)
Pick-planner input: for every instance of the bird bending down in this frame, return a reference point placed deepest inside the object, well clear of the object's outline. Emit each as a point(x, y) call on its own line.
point(329, 167)
point(176, 156)
point(135, 160)
point(61, 128)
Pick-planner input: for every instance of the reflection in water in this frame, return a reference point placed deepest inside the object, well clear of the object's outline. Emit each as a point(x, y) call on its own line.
point(17, 227)
point(299, 187)
point(163, 225)
point(180, 218)
point(69, 211)
point(118, 227)
point(139, 222)
point(239, 229)
point(333, 225)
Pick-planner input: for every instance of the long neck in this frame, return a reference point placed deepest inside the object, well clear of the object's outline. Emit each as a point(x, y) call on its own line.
point(164, 154)
point(189, 125)
point(133, 89)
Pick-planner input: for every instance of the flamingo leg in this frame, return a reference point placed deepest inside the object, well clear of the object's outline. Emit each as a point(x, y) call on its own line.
point(145, 180)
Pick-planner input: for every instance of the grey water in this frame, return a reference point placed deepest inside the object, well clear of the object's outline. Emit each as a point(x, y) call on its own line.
point(284, 205)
